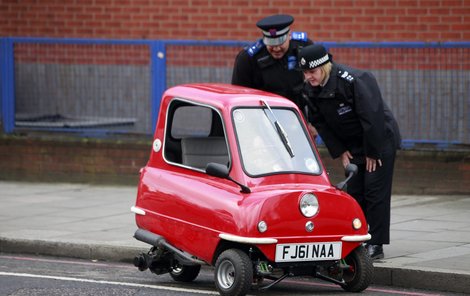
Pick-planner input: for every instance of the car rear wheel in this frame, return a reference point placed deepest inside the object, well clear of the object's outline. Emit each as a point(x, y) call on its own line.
point(185, 273)
point(233, 273)
point(358, 275)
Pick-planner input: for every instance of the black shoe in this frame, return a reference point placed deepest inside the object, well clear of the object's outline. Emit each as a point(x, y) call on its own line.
point(375, 251)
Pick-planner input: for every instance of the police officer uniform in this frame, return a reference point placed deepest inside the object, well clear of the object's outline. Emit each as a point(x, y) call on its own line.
point(350, 115)
point(256, 68)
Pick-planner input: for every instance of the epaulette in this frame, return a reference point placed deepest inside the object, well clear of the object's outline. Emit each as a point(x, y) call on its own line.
point(345, 75)
point(254, 48)
point(299, 36)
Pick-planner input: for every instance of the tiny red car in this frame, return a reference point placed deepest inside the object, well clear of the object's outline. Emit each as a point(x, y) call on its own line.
point(234, 181)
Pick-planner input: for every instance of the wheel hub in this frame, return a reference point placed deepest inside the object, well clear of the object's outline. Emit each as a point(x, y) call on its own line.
point(226, 274)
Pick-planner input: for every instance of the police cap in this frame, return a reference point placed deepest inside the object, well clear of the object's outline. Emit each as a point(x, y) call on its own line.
point(313, 56)
point(275, 28)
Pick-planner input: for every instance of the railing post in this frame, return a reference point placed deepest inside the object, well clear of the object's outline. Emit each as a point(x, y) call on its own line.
point(158, 77)
point(7, 84)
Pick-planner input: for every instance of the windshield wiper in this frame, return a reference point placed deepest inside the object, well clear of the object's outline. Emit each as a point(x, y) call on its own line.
point(280, 131)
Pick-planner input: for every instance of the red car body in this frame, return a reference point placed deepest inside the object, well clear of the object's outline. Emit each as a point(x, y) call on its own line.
point(203, 215)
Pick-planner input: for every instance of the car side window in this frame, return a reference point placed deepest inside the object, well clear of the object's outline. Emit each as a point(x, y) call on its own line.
point(195, 136)
point(191, 121)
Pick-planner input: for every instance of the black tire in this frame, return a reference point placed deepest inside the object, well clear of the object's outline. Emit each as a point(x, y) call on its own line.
point(185, 273)
point(359, 274)
point(233, 273)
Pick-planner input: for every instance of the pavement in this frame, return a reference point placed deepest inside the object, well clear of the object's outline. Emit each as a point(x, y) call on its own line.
point(430, 235)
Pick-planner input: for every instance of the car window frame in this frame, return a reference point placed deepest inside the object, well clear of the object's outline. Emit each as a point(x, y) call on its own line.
point(167, 133)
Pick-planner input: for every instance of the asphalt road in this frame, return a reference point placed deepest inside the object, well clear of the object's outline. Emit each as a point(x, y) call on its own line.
point(37, 275)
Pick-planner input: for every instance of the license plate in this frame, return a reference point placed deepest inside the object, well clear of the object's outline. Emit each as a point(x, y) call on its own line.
point(308, 252)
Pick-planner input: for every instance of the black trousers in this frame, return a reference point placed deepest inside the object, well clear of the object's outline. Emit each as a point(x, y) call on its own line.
point(373, 191)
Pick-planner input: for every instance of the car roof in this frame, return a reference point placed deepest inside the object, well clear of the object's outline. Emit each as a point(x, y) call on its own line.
point(226, 95)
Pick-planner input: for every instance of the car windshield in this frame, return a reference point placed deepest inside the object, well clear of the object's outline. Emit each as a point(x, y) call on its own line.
point(262, 149)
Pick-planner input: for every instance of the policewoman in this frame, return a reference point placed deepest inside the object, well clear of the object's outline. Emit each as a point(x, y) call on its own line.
point(346, 107)
point(270, 63)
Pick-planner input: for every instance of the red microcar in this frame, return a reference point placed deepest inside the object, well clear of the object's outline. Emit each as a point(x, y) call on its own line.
point(234, 181)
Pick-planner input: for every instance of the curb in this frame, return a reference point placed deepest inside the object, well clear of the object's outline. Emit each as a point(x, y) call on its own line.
point(425, 279)
point(89, 251)
point(383, 275)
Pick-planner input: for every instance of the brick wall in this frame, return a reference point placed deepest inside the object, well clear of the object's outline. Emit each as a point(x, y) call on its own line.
point(72, 160)
point(325, 20)
point(118, 162)
point(421, 172)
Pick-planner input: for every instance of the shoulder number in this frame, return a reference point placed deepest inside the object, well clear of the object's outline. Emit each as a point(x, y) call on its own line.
point(254, 48)
point(345, 75)
point(299, 36)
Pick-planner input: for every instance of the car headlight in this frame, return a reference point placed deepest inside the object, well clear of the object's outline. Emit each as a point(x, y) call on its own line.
point(308, 205)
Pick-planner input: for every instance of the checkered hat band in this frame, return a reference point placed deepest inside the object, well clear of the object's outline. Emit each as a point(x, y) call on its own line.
point(318, 62)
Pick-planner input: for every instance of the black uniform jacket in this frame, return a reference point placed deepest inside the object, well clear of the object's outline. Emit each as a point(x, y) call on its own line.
point(350, 114)
point(258, 69)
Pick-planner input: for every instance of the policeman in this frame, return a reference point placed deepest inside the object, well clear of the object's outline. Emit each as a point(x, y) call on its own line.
point(269, 64)
point(346, 107)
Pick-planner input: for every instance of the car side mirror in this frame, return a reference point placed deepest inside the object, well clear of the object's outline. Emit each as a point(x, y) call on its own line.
point(217, 170)
point(221, 171)
point(350, 171)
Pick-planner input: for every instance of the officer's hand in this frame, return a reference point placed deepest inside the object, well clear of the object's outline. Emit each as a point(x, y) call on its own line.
point(312, 130)
point(371, 164)
point(345, 157)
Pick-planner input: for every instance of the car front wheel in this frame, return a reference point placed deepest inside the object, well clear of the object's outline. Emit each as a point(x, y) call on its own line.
point(233, 273)
point(358, 275)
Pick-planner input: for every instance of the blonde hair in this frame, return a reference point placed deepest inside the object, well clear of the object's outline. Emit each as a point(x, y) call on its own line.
point(326, 69)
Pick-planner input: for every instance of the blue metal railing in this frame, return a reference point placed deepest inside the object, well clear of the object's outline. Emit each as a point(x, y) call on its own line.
point(418, 97)
point(7, 85)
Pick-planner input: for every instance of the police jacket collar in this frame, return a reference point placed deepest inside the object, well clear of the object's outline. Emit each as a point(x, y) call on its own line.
point(329, 89)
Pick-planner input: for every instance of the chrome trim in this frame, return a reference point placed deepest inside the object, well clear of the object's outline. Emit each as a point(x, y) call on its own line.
point(248, 240)
point(356, 238)
point(137, 211)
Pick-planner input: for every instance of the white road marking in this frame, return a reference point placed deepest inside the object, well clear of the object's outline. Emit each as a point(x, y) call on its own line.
point(61, 278)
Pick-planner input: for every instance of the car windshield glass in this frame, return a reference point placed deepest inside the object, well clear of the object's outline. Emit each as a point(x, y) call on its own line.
point(262, 150)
